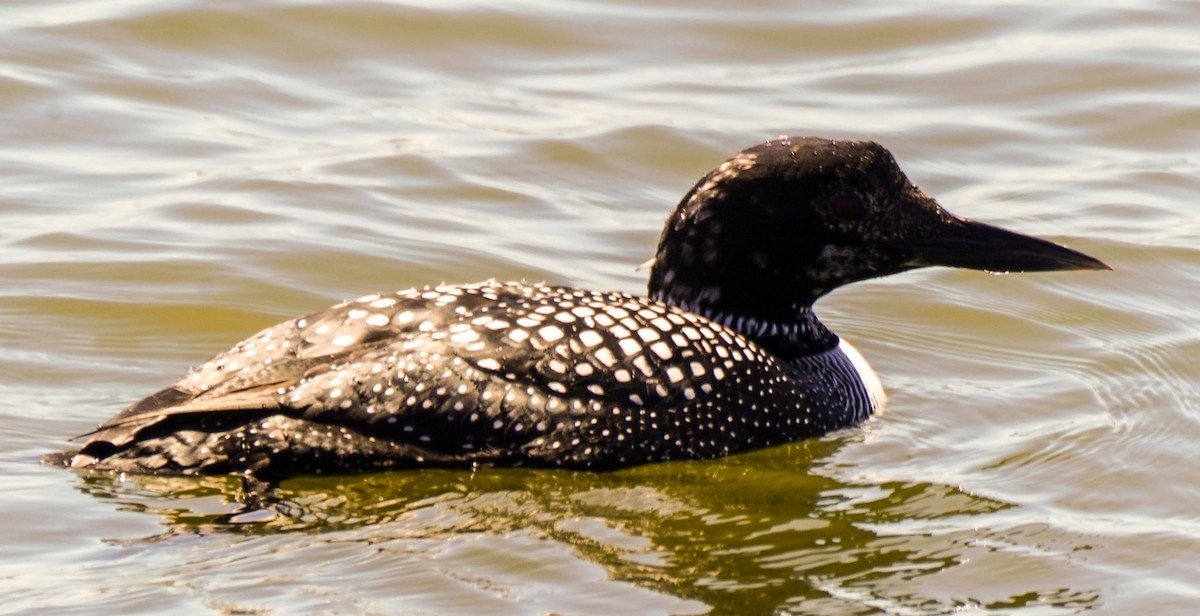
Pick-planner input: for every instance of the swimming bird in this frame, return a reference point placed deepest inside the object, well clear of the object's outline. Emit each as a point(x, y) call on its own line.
point(725, 355)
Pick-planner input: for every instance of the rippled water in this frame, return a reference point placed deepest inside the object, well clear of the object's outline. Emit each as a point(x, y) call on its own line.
point(177, 175)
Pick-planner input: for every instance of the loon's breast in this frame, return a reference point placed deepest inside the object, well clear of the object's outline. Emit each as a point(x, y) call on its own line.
point(868, 390)
point(488, 374)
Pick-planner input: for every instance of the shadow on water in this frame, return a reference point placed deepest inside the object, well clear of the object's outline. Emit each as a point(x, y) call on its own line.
point(720, 532)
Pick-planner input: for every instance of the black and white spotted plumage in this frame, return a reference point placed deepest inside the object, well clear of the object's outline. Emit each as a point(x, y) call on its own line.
point(490, 373)
point(724, 356)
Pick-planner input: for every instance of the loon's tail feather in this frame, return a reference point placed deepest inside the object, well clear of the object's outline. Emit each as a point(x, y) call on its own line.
point(138, 422)
point(59, 458)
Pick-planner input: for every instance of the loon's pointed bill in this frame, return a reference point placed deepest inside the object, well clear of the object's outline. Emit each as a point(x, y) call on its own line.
point(724, 355)
point(975, 245)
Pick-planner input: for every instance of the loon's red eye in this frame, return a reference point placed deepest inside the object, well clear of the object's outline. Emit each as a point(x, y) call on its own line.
point(848, 208)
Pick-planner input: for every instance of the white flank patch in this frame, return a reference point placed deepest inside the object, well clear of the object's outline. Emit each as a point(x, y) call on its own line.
point(869, 379)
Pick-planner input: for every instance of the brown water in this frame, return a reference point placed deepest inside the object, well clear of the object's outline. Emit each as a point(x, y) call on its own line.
point(176, 175)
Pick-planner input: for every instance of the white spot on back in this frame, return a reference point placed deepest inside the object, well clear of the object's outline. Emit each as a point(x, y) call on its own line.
point(550, 333)
point(590, 337)
point(464, 337)
point(606, 357)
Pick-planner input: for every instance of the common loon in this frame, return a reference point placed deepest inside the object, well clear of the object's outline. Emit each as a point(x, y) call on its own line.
point(724, 356)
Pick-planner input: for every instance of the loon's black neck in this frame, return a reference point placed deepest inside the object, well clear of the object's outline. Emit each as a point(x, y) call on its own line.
point(800, 335)
point(737, 251)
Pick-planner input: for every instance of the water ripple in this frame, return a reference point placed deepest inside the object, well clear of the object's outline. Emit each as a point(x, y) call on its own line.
point(178, 175)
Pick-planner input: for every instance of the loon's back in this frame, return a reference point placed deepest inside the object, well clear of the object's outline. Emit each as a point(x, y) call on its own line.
point(510, 374)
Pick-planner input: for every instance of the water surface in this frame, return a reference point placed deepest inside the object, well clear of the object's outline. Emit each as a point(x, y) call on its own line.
point(177, 175)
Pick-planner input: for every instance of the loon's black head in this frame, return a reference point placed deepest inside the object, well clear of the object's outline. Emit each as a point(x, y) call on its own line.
point(779, 225)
